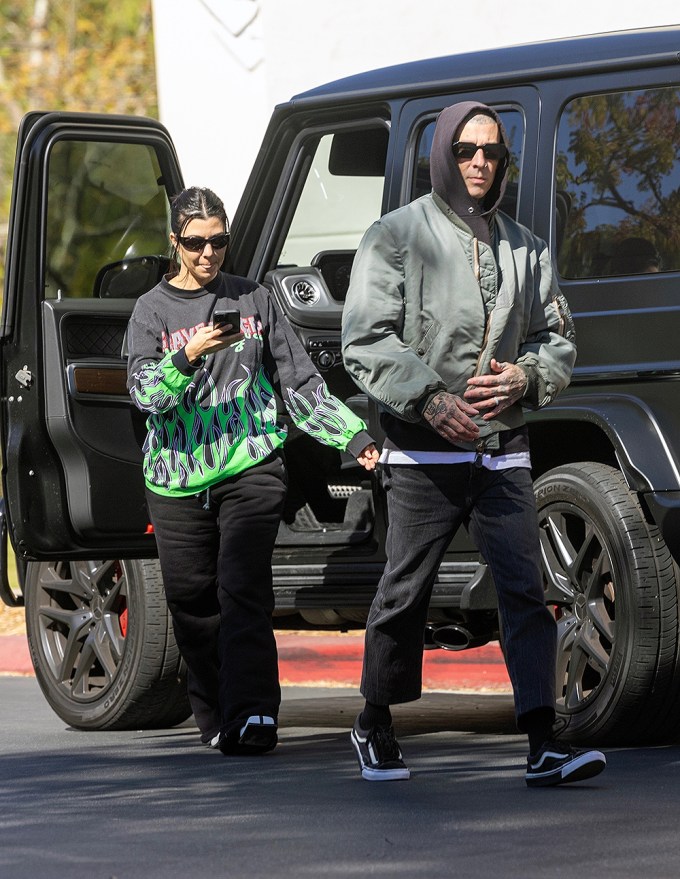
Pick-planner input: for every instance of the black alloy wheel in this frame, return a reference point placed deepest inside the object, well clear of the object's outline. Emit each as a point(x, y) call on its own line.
point(613, 587)
point(102, 645)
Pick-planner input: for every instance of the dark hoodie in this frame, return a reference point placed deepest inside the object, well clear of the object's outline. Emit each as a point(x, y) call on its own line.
point(446, 178)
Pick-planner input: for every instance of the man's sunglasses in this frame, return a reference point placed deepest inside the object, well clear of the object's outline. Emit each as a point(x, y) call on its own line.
point(196, 244)
point(464, 150)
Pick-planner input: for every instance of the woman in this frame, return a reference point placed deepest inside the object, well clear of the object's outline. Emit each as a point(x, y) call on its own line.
point(214, 470)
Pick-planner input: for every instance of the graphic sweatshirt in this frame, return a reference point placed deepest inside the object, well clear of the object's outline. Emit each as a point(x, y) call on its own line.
point(216, 418)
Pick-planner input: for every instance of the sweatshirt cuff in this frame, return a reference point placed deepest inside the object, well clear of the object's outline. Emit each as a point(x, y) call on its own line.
point(181, 363)
point(358, 443)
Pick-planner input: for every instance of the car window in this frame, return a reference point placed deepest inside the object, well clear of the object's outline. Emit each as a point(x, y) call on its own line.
point(105, 203)
point(341, 194)
point(618, 184)
point(513, 122)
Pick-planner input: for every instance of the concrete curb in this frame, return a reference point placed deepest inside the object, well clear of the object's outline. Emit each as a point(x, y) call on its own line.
point(312, 659)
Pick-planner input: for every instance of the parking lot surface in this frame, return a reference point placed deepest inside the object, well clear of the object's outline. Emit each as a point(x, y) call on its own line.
point(155, 803)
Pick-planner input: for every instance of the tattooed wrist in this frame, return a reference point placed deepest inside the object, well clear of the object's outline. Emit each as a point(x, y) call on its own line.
point(443, 407)
point(433, 407)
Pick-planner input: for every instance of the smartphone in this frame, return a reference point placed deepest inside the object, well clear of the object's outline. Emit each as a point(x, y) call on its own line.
point(223, 316)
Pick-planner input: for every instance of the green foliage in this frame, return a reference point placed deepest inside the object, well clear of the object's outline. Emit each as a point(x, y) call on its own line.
point(84, 55)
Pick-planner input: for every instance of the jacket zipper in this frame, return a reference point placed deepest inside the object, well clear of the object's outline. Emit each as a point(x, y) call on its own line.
point(480, 445)
point(487, 320)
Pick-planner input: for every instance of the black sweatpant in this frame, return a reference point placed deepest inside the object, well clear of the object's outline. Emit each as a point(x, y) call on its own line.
point(216, 566)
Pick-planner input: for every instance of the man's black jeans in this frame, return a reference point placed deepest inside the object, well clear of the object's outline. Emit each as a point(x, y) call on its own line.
point(426, 506)
point(216, 566)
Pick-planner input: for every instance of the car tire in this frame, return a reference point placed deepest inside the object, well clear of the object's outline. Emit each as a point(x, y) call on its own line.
point(102, 645)
point(613, 586)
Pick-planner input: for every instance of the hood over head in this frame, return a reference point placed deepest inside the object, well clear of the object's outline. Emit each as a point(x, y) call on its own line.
point(446, 178)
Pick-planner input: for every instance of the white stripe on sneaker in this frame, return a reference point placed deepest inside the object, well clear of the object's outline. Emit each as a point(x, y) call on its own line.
point(257, 720)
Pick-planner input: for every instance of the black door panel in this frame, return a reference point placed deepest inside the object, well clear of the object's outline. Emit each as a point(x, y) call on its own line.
point(88, 235)
point(90, 418)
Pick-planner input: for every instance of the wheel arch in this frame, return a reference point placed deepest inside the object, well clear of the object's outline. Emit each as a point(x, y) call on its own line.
point(618, 429)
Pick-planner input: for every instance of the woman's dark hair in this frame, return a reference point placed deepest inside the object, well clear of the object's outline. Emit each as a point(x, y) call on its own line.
point(194, 203)
point(197, 202)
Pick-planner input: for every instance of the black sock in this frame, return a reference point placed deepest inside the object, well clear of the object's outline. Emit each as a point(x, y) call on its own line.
point(537, 724)
point(375, 715)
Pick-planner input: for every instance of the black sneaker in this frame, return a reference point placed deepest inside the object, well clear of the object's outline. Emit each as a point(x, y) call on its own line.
point(557, 763)
point(257, 736)
point(378, 753)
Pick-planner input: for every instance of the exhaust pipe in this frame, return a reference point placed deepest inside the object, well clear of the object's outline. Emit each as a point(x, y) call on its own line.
point(428, 638)
point(455, 637)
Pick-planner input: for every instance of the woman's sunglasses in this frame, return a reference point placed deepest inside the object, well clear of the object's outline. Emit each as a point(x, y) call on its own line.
point(464, 150)
point(196, 244)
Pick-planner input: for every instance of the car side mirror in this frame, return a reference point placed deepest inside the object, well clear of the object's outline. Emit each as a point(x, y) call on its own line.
point(129, 278)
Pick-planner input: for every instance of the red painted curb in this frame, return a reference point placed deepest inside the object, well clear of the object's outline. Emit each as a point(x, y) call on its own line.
point(315, 659)
point(14, 655)
point(336, 659)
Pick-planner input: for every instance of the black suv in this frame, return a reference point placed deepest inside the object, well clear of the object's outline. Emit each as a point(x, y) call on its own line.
point(595, 130)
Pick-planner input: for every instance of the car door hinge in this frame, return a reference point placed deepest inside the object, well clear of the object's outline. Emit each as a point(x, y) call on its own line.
point(24, 377)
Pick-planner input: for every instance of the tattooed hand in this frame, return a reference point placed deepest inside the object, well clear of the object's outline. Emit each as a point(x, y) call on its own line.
point(449, 416)
point(491, 394)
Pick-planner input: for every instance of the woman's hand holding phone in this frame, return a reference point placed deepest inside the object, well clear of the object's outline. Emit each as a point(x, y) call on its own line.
point(224, 331)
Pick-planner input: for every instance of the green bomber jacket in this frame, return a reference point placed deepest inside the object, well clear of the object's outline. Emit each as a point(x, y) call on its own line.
point(429, 305)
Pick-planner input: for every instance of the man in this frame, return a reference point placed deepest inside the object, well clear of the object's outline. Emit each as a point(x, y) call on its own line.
point(453, 323)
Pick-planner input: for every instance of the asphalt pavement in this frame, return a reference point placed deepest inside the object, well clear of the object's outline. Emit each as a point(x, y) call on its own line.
point(155, 804)
point(148, 804)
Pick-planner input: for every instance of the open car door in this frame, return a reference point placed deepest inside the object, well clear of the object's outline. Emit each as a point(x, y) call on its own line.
point(88, 234)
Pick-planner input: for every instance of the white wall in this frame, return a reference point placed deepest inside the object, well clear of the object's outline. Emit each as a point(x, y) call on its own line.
point(222, 65)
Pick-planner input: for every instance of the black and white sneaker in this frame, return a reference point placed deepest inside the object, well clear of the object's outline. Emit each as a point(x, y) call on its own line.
point(257, 736)
point(378, 753)
point(557, 763)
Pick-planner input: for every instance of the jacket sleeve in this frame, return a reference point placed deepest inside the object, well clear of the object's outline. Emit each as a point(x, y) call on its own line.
point(157, 381)
point(374, 353)
point(304, 393)
point(548, 353)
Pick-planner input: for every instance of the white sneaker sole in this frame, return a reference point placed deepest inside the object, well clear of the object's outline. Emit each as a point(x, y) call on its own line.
point(385, 774)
